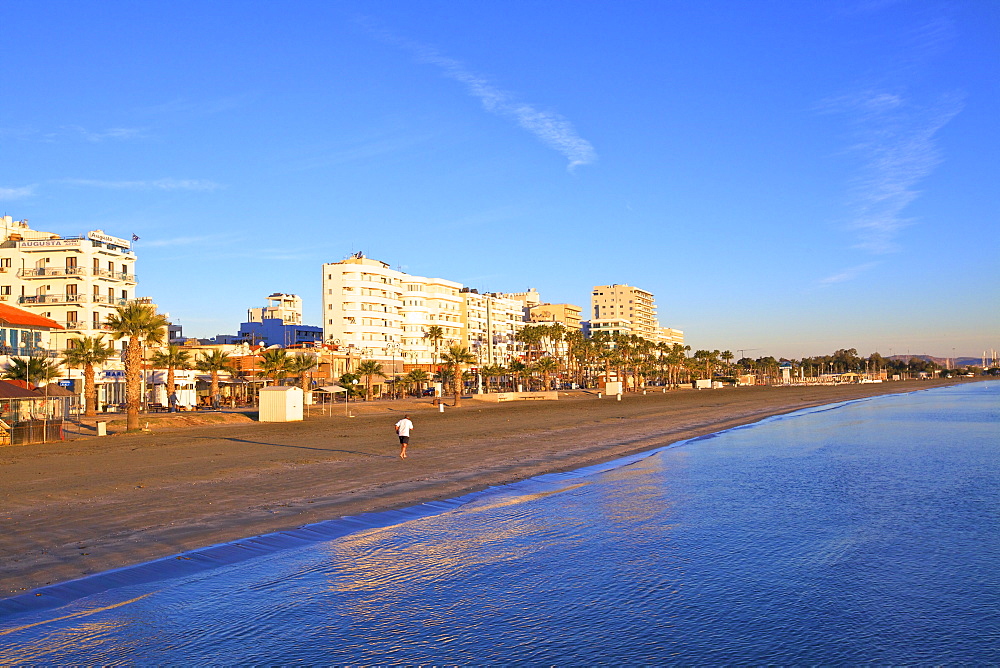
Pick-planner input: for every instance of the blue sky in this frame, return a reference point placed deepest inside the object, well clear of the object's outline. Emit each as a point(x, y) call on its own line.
point(788, 178)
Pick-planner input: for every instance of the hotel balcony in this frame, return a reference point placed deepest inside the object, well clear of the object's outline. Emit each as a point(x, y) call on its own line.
point(71, 299)
point(81, 272)
point(84, 326)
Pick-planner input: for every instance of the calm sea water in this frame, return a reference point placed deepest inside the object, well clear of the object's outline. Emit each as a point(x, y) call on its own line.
point(862, 532)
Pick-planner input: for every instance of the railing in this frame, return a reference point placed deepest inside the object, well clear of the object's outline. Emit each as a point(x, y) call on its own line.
point(46, 272)
point(74, 299)
point(53, 299)
point(83, 325)
point(26, 351)
point(103, 299)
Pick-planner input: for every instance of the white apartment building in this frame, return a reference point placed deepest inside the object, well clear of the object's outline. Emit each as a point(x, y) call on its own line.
point(287, 308)
point(76, 281)
point(384, 314)
point(623, 309)
point(671, 336)
point(492, 322)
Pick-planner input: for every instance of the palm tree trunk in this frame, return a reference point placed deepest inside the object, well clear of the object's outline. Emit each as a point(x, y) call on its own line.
point(214, 385)
point(90, 391)
point(133, 383)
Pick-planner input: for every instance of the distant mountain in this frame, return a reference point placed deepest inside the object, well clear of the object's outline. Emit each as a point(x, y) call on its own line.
point(943, 361)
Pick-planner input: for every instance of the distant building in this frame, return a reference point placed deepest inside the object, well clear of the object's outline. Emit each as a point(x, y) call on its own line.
point(528, 299)
point(564, 314)
point(278, 323)
point(78, 281)
point(382, 313)
point(623, 309)
point(671, 336)
point(492, 321)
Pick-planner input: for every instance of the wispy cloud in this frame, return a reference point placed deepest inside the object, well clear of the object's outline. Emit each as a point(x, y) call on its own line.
point(71, 132)
point(848, 274)
point(185, 107)
point(17, 193)
point(897, 146)
point(156, 184)
point(104, 135)
point(551, 128)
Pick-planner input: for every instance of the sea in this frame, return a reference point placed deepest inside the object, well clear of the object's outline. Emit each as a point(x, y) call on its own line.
point(854, 533)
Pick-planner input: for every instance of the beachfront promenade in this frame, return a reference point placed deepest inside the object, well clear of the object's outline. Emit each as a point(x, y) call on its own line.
point(83, 506)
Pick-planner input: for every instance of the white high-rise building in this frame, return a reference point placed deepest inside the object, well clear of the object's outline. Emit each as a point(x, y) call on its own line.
point(387, 314)
point(492, 322)
point(75, 280)
point(623, 309)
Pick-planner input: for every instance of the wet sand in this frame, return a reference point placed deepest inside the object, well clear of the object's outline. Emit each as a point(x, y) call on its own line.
point(79, 507)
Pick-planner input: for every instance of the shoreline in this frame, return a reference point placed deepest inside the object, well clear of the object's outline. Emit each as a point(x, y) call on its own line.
point(81, 507)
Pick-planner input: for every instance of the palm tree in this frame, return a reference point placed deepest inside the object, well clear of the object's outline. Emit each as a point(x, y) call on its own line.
point(435, 334)
point(348, 381)
point(300, 365)
point(490, 372)
point(213, 362)
point(727, 357)
point(88, 352)
point(274, 364)
point(518, 369)
point(31, 369)
point(546, 366)
point(455, 359)
point(170, 358)
point(418, 377)
point(369, 368)
point(140, 323)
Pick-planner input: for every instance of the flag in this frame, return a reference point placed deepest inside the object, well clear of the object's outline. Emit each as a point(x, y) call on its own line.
point(135, 237)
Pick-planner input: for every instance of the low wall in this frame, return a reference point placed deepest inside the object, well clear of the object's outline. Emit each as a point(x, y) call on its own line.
point(498, 397)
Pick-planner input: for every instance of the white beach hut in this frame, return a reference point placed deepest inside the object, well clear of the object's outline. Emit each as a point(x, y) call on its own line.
point(280, 404)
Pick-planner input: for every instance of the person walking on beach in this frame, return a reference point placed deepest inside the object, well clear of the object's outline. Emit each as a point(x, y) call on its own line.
point(403, 428)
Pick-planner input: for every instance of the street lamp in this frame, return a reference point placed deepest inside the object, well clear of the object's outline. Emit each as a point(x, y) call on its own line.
point(394, 348)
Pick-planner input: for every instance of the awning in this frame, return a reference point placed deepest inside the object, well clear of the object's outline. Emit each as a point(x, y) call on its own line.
point(332, 389)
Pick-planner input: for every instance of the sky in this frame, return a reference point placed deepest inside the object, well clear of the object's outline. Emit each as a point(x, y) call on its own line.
point(787, 178)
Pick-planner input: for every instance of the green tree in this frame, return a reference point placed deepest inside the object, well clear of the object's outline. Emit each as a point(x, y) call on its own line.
point(418, 377)
point(300, 365)
point(435, 335)
point(492, 372)
point(518, 369)
point(88, 352)
point(140, 324)
point(454, 361)
point(349, 381)
point(546, 366)
point(369, 368)
point(171, 357)
point(274, 364)
point(214, 362)
point(32, 369)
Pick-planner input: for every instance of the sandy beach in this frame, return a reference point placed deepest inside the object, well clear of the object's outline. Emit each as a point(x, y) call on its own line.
point(83, 506)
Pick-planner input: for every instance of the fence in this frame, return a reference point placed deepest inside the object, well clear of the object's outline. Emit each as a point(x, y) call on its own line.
point(29, 420)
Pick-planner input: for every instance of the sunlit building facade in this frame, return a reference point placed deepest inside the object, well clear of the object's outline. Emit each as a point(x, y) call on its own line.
point(76, 281)
point(623, 309)
point(383, 313)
